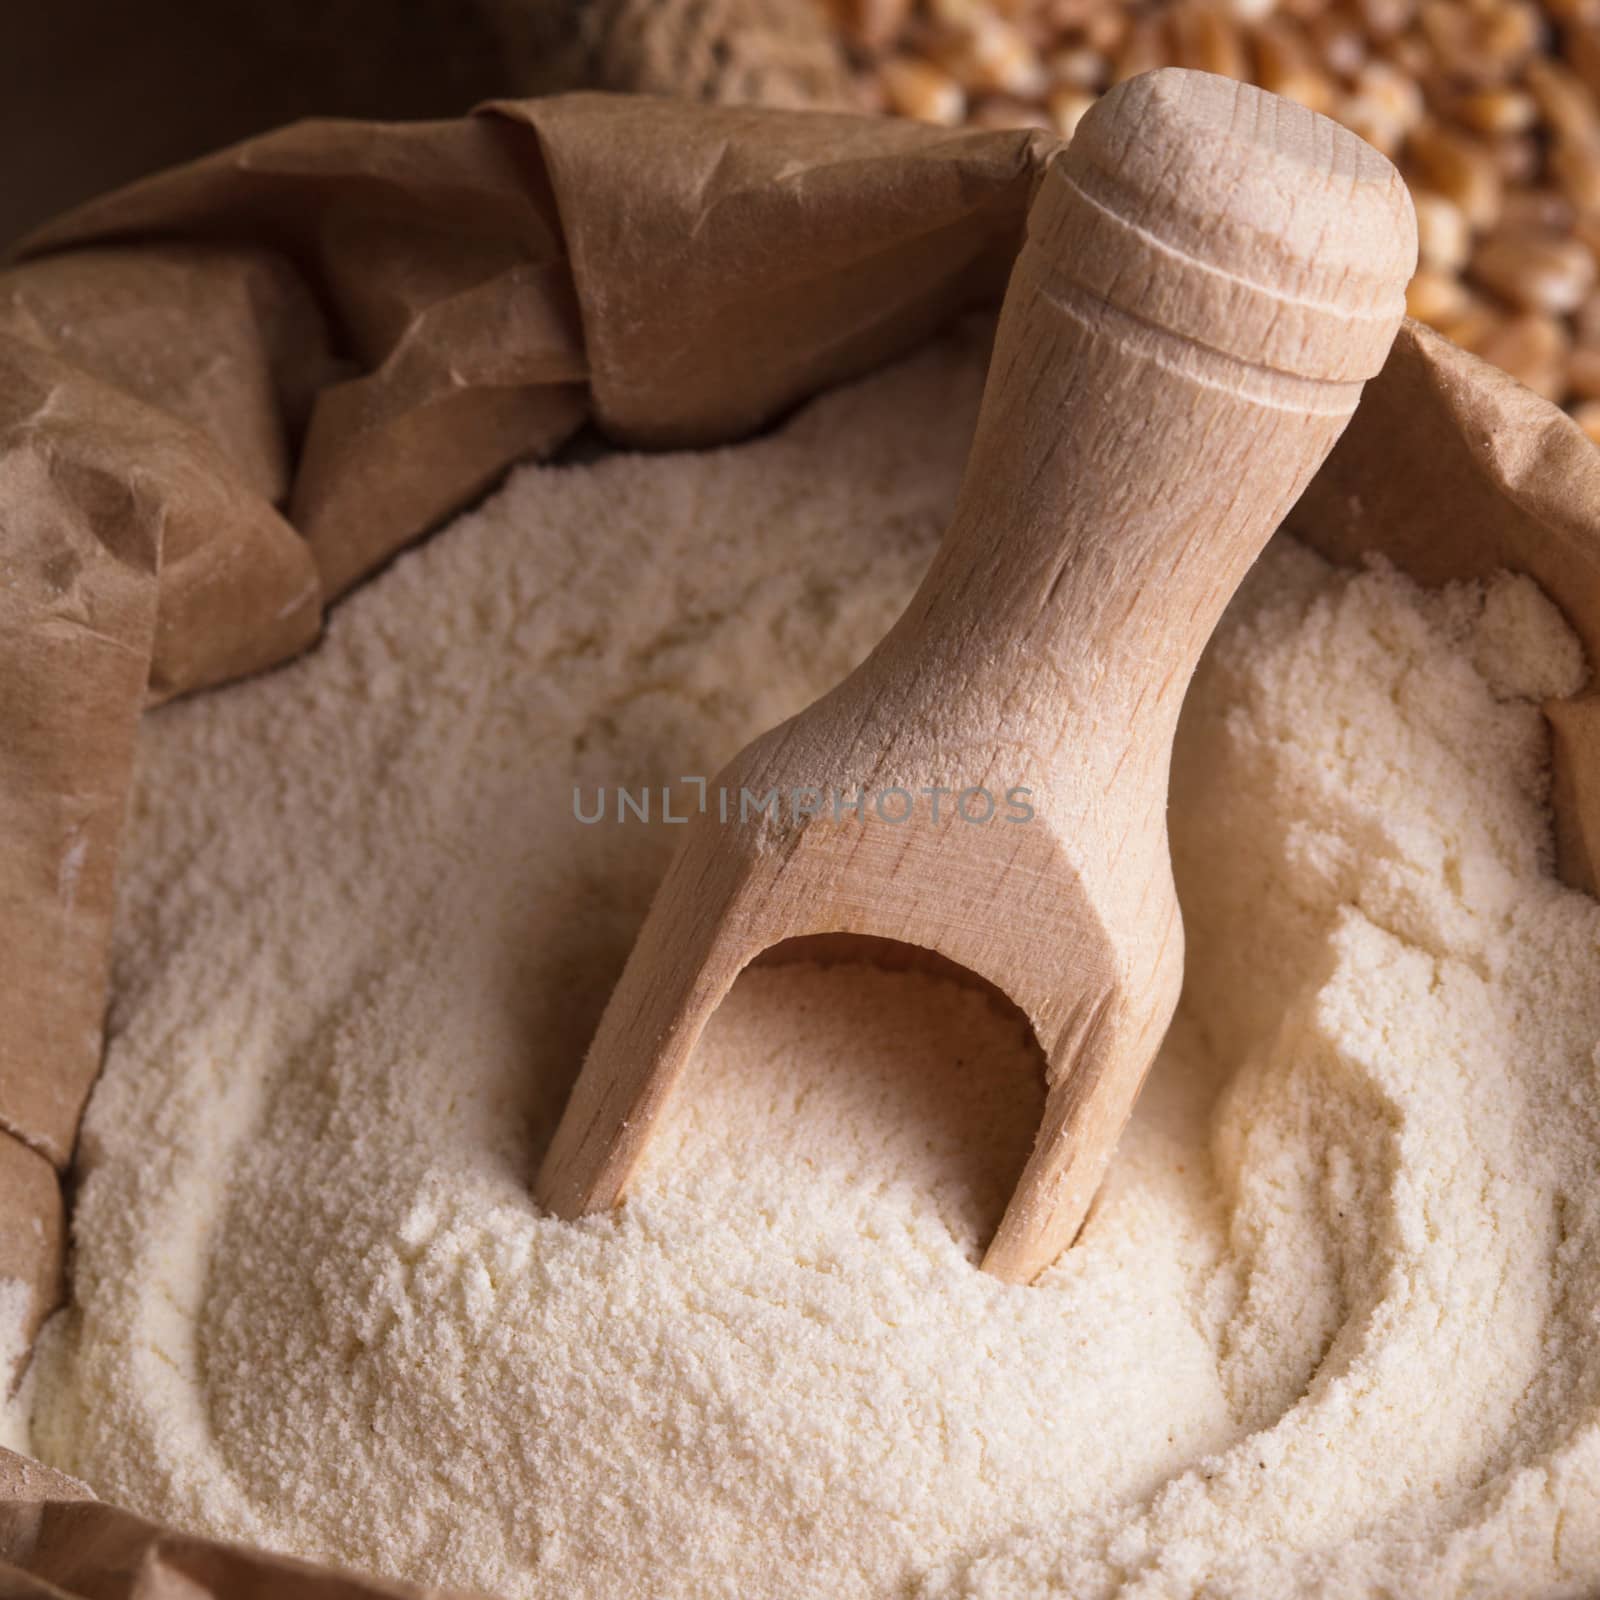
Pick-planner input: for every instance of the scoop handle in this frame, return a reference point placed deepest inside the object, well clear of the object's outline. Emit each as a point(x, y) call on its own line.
point(1210, 273)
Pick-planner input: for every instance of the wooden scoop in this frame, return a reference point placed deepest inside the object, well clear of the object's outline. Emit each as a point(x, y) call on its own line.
point(1210, 274)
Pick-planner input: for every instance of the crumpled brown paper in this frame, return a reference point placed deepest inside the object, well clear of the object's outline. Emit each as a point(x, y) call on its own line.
point(231, 391)
point(59, 1541)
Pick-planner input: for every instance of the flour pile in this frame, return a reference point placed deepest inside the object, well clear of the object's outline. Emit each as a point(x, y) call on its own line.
point(1334, 1324)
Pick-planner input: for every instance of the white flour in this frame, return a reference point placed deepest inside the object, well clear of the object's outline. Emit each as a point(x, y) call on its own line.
point(1334, 1324)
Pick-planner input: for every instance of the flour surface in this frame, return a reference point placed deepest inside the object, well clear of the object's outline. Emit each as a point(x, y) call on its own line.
point(1334, 1325)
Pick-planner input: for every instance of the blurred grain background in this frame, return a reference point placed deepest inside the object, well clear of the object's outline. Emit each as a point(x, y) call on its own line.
point(95, 92)
point(1490, 107)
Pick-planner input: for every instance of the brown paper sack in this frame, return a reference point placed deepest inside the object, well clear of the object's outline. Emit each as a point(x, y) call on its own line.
point(230, 392)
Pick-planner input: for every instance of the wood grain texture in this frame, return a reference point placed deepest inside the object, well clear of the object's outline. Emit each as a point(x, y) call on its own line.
point(1210, 274)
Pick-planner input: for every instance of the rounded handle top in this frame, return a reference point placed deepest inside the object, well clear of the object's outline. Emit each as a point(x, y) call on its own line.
point(1236, 220)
